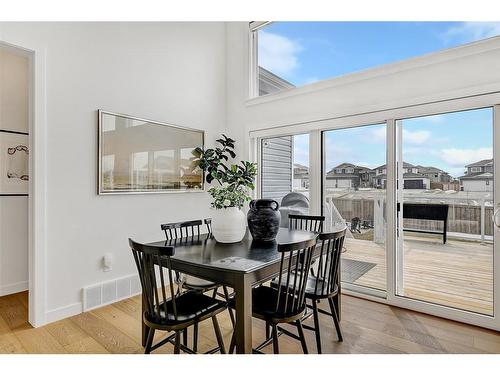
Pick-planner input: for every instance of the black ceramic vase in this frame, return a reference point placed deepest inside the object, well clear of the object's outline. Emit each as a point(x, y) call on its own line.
point(264, 219)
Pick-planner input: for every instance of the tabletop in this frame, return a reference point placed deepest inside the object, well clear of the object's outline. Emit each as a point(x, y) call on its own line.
point(245, 256)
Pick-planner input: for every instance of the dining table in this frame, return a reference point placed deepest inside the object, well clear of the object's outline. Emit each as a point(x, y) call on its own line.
point(240, 265)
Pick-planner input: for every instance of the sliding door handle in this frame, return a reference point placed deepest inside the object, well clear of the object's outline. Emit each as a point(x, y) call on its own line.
point(496, 217)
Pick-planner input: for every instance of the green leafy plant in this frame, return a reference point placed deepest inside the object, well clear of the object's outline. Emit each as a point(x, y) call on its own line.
point(235, 180)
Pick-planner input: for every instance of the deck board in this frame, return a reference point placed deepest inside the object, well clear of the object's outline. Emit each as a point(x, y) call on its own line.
point(457, 274)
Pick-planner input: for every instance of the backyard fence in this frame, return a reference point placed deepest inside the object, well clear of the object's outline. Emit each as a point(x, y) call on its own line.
point(472, 219)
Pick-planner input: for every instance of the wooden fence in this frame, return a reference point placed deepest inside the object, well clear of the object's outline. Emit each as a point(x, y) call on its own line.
point(462, 218)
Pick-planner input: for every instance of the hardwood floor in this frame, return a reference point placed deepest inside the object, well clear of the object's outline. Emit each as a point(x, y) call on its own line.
point(457, 274)
point(368, 327)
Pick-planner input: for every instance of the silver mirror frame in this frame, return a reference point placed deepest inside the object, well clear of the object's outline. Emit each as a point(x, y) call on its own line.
point(101, 191)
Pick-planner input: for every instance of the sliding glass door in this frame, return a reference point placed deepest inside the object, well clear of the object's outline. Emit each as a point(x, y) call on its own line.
point(354, 193)
point(417, 194)
point(445, 193)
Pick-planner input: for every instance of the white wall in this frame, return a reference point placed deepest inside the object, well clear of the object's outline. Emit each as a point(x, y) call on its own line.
point(172, 72)
point(477, 185)
point(14, 110)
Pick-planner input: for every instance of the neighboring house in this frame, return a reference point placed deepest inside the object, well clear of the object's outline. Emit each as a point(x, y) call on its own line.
point(300, 177)
point(277, 153)
point(478, 176)
point(270, 82)
point(347, 175)
point(434, 174)
point(412, 179)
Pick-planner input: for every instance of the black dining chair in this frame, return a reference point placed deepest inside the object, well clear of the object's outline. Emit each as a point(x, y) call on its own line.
point(306, 222)
point(325, 285)
point(176, 312)
point(287, 302)
point(183, 230)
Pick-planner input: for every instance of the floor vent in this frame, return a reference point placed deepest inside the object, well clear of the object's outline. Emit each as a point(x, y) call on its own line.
point(110, 291)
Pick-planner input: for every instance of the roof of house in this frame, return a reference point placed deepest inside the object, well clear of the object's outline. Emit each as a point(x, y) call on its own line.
point(422, 169)
point(270, 82)
point(350, 165)
point(481, 163)
point(346, 165)
point(405, 165)
point(300, 166)
point(478, 176)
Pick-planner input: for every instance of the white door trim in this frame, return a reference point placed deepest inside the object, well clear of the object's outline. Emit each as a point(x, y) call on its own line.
point(390, 117)
point(37, 182)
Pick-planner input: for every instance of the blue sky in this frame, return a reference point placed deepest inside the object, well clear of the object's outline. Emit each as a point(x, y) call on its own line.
point(446, 141)
point(305, 52)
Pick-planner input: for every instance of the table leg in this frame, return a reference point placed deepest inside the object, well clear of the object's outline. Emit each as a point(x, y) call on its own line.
point(243, 289)
point(144, 328)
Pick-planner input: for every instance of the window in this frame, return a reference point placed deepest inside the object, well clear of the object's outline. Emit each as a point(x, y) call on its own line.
point(285, 166)
point(291, 54)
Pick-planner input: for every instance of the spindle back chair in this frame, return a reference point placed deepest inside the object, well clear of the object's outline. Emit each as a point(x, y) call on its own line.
point(306, 222)
point(163, 308)
point(182, 229)
point(285, 303)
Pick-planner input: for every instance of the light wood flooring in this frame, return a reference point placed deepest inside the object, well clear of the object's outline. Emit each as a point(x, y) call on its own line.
point(457, 274)
point(368, 327)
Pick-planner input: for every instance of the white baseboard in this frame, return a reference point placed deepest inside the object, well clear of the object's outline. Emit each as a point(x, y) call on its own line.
point(13, 288)
point(63, 312)
point(108, 292)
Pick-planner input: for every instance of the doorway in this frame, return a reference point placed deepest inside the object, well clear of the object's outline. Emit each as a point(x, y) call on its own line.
point(15, 125)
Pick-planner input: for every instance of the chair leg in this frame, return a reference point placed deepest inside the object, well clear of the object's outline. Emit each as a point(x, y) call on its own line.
point(268, 330)
point(302, 336)
point(218, 335)
point(231, 314)
point(335, 319)
point(177, 347)
point(214, 295)
point(195, 337)
point(149, 341)
point(185, 336)
point(316, 325)
point(232, 345)
point(276, 348)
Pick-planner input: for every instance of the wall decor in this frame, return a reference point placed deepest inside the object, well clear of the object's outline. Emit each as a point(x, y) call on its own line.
point(143, 156)
point(14, 163)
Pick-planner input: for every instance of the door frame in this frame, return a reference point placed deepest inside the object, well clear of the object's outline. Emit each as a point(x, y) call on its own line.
point(390, 116)
point(37, 180)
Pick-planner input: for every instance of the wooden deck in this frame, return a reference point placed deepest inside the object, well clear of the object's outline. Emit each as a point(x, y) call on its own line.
point(457, 274)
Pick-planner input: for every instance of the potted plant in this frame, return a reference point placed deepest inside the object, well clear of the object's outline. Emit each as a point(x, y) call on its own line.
point(235, 181)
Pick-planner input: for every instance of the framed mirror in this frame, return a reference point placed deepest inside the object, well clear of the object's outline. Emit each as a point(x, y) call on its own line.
point(143, 156)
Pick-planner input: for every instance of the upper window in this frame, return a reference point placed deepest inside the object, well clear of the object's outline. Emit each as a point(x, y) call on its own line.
point(291, 54)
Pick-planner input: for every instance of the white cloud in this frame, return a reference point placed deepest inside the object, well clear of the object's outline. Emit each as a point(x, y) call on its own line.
point(379, 134)
point(278, 53)
point(413, 138)
point(417, 137)
point(456, 157)
point(472, 31)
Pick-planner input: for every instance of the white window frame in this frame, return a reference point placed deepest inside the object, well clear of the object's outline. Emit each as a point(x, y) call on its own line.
point(390, 116)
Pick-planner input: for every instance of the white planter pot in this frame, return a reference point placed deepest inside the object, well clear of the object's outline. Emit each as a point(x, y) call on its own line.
point(229, 225)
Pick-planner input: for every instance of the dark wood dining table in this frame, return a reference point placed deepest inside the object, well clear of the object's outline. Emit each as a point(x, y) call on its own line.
point(240, 265)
